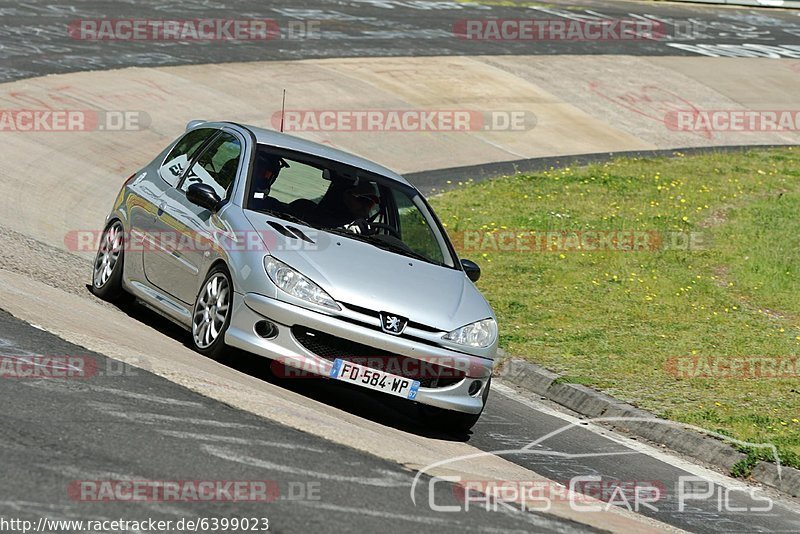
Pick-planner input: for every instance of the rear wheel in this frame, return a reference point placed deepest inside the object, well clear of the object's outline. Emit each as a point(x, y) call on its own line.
point(212, 313)
point(108, 264)
point(451, 421)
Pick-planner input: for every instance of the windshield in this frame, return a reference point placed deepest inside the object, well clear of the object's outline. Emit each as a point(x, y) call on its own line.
point(347, 201)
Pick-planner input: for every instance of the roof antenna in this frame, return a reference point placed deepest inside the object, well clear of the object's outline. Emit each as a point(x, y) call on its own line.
point(283, 109)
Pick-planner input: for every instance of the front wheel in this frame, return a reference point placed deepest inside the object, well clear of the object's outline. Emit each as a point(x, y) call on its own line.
point(451, 421)
point(212, 313)
point(108, 264)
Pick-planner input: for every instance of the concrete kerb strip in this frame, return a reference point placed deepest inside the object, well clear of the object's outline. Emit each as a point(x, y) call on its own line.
point(788, 4)
point(597, 405)
point(435, 181)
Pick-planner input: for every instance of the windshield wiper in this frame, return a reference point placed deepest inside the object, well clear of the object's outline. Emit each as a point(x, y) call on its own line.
point(346, 233)
point(380, 243)
point(401, 249)
point(286, 217)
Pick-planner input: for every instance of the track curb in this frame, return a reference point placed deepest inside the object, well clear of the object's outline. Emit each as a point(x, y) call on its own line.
point(786, 4)
point(441, 180)
point(597, 405)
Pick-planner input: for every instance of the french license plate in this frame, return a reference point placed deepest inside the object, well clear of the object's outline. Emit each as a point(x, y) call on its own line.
point(374, 379)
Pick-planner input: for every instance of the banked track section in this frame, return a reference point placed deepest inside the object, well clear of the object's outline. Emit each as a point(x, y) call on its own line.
point(56, 183)
point(574, 105)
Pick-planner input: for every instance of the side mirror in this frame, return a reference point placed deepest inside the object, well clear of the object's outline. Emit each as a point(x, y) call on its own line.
point(471, 269)
point(204, 196)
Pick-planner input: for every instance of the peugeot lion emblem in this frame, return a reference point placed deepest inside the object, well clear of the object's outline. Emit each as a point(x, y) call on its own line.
point(393, 324)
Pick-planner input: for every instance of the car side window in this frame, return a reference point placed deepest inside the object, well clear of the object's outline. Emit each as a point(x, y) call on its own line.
point(415, 229)
point(217, 165)
point(299, 181)
point(181, 154)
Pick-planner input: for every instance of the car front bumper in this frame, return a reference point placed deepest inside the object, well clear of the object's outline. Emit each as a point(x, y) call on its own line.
point(250, 308)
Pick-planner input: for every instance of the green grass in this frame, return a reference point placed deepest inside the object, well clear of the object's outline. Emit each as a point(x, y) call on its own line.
point(614, 320)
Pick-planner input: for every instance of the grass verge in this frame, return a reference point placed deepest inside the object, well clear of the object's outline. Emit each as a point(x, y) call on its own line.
point(697, 322)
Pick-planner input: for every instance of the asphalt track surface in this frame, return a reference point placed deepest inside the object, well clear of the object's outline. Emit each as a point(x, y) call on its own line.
point(125, 424)
point(34, 36)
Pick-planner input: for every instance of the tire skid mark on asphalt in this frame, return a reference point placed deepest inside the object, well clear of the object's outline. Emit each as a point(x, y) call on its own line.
point(10, 351)
point(642, 448)
point(7, 445)
point(91, 474)
point(85, 474)
point(237, 441)
point(536, 520)
point(567, 466)
point(83, 386)
point(623, 441)
point(9, 348)
point(148, 398)
point(22, 506)
point(58, 386)
point(389, 480)
point(155, 418)
point(398, 517)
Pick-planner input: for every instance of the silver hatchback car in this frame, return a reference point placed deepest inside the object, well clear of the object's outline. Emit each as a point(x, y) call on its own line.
point(325, 262)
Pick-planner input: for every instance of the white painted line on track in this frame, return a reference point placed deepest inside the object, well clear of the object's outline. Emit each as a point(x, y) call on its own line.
point(238, 441)
point(635, 445)
point(390, 479)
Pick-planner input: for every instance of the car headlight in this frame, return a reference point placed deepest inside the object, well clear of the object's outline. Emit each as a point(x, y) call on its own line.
point(478, 334)
point(297, 285)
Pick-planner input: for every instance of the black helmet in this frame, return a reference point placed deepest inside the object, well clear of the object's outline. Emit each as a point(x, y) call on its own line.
point(266, 169)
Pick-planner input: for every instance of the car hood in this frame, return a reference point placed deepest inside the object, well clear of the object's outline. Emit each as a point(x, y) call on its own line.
point(361, 274)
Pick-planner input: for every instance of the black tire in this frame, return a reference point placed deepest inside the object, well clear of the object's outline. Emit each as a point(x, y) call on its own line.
point(108, 285)
point(212, 348)
point(451, 421)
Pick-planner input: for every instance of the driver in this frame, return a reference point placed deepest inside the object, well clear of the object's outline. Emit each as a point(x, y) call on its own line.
point(343, 204)
point(361, 200)
point(266, 169)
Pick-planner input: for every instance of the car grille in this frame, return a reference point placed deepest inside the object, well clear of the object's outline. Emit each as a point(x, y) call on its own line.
point(374, 313)
point(330, 347)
